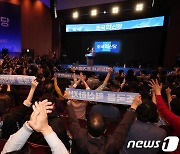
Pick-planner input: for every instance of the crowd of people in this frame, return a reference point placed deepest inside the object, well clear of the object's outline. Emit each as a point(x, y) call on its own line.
point(41, 112)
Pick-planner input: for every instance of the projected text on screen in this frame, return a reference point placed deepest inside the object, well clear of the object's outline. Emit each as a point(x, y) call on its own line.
point(109, 46)
point(113, 26)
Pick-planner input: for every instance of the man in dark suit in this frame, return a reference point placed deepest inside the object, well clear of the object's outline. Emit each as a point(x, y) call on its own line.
point(90, 56)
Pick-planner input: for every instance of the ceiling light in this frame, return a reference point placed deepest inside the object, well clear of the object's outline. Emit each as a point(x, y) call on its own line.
point(75, 15)
point(139, 7)
point(93, 12)
point(115, 10)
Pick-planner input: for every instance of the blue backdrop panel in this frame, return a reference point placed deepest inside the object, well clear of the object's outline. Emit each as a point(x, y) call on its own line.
point(10, 28)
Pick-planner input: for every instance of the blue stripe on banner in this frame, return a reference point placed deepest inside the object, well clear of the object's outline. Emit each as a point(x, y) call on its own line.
point(90, 69)
point(66, 75)
point(16, 79)
point(102, 96)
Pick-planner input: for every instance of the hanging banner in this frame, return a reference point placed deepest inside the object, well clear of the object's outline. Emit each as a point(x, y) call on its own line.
point(125, 98)
point(16, 79)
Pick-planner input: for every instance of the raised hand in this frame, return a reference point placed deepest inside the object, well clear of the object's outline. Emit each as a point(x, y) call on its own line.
point(110, 70)
point(136, 102)
point(66, 95)
point(38, 120)
point(11, 71)
point(49, 105)
point(155, 86)
point(168, 91)
point(34, 84)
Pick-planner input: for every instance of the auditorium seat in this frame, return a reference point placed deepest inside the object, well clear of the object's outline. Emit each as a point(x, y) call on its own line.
point(35, 148)
point(2, 143)
point(39, 149)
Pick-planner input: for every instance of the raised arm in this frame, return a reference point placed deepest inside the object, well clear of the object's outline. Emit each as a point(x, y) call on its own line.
point(8, 85)
point(101, 87)
point(84, 82)
point(74, 125)
point(39, 122)
point(163, 109)
point(108, 75)
point(74, 74)
point(169, 98)
point(17, 140)
point(28, 100)
point(58, 90)
point(153, 96)
point(20, 113)
point(76, 83)
point(119, 136)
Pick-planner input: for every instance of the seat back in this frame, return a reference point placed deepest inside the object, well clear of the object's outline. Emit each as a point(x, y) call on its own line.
point(2, 143)
point(39, 149)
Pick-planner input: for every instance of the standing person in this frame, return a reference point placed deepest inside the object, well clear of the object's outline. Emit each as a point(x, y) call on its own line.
point(90, 57)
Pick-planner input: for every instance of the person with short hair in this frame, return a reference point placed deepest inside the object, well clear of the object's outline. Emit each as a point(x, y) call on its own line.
point(144, 129)
point(93, 139)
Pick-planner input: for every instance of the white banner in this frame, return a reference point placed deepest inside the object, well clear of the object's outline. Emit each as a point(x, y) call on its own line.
point(16, 79)
point(102, 96)
point(90, 68)
point(66, 75)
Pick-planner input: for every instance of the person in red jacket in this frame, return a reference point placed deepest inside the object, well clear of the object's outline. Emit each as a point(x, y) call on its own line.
point(171, 116)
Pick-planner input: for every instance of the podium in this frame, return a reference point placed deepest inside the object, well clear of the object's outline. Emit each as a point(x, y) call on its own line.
point(90, 59)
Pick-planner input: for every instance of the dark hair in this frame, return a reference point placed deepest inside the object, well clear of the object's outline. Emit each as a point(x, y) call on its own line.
point(49, 88)
point(130, 72)
point(145, 95)
point(121, 71)
point(80, 86)
point(50, 97)
point(147, 112)
point(144, 72)
point(96, 125)
point(47, 73)
point(5, 103)
point(171, 78)
point(175, 106)
point(101, 77)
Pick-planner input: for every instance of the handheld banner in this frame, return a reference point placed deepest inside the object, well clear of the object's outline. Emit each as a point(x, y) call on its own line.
point(91, 69)
point(16, 79)
point(66, 75)
point(102, 96)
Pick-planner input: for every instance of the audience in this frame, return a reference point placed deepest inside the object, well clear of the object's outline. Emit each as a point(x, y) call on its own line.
point(172, 116)
point(54, 120)
point(93, 139)
point(38, 122)
point(12, 121)
point(140, 122)
point(144, 128)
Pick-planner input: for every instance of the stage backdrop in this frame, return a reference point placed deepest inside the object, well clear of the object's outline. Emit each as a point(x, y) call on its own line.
point(10, 28)
point(131, 42)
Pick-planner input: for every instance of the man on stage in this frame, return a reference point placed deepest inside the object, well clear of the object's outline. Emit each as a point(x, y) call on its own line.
point(90, 57)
